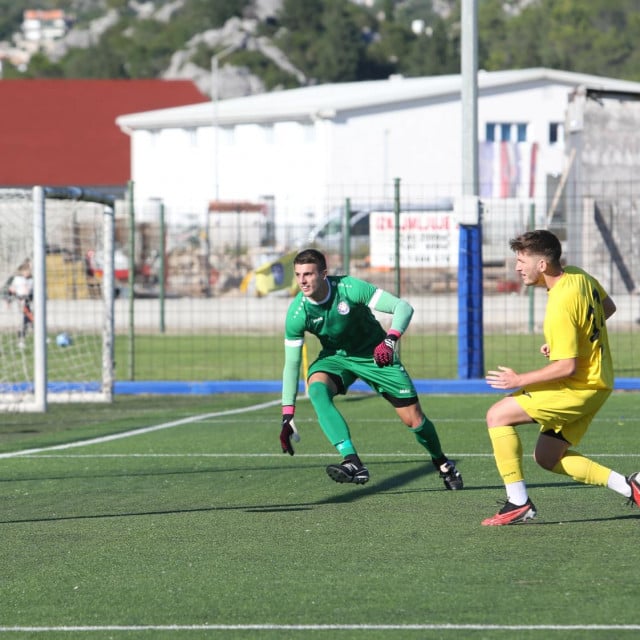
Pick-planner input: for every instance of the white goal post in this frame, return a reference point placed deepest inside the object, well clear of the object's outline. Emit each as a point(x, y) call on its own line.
point(57, 316)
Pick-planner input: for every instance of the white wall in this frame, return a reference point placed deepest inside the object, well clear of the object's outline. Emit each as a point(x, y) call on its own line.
point(309, 167)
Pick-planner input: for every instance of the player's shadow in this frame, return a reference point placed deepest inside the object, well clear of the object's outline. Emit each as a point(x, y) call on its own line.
point(389, 484)
point(396, 483)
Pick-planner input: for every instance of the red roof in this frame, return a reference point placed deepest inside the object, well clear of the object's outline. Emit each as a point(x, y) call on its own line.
point(63, 132)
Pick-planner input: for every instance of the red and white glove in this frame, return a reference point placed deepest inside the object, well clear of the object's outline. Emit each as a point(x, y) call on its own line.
point(288, 431)
point(383, 354)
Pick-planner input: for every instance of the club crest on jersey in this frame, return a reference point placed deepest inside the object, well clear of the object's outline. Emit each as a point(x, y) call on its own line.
point(343, 308)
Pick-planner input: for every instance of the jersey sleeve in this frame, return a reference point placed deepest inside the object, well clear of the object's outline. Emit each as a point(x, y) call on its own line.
point(291, 374)
point(293, 342)
point(388, 303)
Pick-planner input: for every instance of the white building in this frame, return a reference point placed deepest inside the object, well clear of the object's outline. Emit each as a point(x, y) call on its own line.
point(39, 25)
point(308, 149)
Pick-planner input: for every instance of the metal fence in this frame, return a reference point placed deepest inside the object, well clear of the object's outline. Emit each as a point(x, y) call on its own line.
point(192, 304)
point(199, 280)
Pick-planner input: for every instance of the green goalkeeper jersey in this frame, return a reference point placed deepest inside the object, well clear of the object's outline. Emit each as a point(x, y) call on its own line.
point(344, 323)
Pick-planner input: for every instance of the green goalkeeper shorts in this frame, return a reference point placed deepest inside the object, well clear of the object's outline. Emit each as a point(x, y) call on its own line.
point(393, 380)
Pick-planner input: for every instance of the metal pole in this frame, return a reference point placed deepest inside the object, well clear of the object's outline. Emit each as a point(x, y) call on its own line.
point(40, 374)
point(131, 280)
point(396, 230)
point(346, 235)
point(161, 274)
point(470, 292)
point(531, 292)
point(215, 97)
point(469, 97)
point(108, 294)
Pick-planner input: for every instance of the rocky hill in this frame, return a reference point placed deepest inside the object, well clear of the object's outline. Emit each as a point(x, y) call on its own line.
point(237, 34)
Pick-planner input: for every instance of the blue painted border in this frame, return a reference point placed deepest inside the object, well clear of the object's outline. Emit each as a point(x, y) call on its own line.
point(474, 386)
point(208, 387)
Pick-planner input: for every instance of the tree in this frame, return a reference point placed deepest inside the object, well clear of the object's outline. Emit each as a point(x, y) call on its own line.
point(296, 16)
point(432, 53)
point(341, 48)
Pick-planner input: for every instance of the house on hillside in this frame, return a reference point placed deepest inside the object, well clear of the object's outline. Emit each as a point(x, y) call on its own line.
point(39, 25)
point(309, 149)
point(63, 132)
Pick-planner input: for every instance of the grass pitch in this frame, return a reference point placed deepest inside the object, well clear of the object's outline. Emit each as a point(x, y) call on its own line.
point(180, 518)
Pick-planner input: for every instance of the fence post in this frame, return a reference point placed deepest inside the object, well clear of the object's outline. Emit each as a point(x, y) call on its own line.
point(396, 239)
point(131, 281)
point(346, 237)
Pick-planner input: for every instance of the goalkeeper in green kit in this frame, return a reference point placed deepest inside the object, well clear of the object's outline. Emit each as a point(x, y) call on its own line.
point(339, 311)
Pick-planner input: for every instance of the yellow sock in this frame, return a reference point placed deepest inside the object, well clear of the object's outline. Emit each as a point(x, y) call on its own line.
point(582, 469)
point(507, 450)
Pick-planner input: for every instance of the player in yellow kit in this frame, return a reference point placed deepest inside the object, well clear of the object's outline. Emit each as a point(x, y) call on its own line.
point(338, 310)
point(564, 396)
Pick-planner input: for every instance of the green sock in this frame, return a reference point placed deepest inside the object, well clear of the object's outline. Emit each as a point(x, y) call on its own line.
point(331, 421)
point(427, 436)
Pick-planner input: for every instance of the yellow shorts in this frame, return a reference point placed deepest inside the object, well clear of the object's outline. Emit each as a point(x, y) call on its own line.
point(556, 407)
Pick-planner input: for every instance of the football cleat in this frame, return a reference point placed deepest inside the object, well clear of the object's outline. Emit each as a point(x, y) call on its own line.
point(512, 514)
point(451, 476)
point(348, 471)
point(634, 483)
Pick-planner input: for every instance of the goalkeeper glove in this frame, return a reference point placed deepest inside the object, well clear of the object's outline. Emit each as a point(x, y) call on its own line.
point(288, 431)
point(384, 353)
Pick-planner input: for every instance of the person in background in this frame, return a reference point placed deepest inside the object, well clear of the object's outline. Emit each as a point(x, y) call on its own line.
point(21, 288)
point(339, 311)
point(564, 396)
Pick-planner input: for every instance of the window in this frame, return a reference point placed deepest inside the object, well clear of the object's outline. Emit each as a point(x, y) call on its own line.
point(506, 132)
point(556, 132)
point(521, 129)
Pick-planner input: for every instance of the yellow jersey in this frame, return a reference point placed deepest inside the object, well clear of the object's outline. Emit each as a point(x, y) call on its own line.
point(575, 327)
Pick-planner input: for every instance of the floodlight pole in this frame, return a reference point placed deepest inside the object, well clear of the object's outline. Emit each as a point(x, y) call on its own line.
point(215, 97)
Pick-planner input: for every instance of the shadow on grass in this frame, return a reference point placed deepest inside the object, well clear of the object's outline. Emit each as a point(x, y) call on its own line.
point(354, 493)
point(190, 470)
point(396, 483)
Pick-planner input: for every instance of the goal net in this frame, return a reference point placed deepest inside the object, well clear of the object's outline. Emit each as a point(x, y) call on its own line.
point(56, 317)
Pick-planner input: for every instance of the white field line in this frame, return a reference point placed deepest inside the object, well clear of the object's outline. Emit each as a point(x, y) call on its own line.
point(416, 454)
point(219, 414)
point(137, 432)
point(268, 627)
point(327, 627)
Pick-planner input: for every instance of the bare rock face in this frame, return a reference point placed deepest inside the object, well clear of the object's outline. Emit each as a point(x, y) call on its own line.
point(237, 34)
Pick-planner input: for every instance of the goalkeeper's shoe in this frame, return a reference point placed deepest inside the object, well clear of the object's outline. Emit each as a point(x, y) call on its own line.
point(634, 483)
point(451, 476)
point(512, 514)
point(348, 471)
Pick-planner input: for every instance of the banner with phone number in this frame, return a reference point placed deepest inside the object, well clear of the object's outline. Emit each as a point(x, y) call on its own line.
point(427, 239)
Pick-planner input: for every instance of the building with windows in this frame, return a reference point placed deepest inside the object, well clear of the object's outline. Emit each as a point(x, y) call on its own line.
point(309, 149)
point(40, 25)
